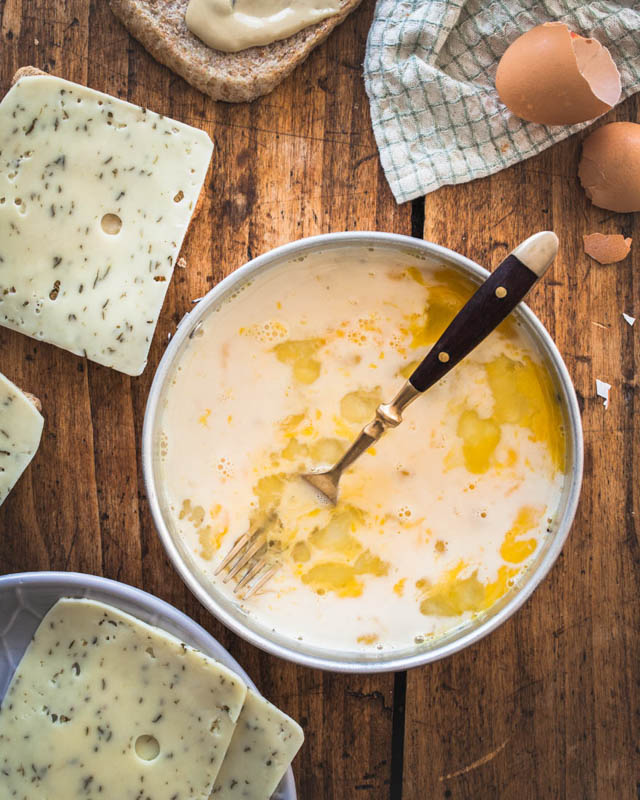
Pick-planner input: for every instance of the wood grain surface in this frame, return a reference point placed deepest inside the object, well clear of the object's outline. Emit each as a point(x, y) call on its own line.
point(546, 706)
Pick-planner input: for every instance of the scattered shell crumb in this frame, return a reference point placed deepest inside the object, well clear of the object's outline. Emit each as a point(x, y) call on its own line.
point(606, 248)
point(181, 262)
point(602, 390)
point(628, 318)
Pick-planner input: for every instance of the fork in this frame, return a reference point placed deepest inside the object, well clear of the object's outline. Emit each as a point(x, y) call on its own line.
point(247, 562)
point(490, 304)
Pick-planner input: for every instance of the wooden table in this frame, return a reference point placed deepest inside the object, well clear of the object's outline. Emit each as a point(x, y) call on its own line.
point(545, 707)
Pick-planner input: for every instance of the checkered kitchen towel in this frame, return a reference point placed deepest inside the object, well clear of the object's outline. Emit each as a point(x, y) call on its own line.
point(430, 75)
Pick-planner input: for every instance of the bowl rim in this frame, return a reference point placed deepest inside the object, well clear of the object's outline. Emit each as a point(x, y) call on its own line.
point(198, 637)
point(187, 327)
point(79, 582)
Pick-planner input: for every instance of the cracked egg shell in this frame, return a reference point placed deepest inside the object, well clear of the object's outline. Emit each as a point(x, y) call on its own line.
point(553, 76)
point(606, 248)
point(609, 168)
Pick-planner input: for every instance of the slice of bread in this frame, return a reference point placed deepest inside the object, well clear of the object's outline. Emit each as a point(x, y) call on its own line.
point(235, 77)
point(26, 72)
point(35, 401)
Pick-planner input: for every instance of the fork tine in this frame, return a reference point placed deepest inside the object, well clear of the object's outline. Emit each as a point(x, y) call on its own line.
point(240, 542)
point(245, 561)
point(243, 541)
point(251, 551)
point(237, 563)
point(249, 575)
point(260, 583)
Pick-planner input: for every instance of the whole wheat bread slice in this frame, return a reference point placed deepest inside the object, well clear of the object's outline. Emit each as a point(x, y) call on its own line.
point(235, 77)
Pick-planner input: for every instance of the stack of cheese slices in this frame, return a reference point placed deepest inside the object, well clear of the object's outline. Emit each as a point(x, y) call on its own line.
point(105, 706)
point(96, 197)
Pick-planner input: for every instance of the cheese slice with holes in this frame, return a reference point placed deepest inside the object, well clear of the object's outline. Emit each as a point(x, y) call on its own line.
point(20, 431)
point(264, 743)
point(105, 707)
point(96, 196)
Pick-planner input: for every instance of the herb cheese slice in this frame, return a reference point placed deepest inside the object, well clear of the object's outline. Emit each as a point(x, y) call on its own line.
point(96, 196)
point(20, 431)
point(264, 743)
point(105, 707)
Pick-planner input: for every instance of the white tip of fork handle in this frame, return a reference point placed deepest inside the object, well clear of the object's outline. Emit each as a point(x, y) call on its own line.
point(538, 251)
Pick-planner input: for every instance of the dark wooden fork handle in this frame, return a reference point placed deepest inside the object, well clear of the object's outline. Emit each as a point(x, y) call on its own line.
point(484, 311)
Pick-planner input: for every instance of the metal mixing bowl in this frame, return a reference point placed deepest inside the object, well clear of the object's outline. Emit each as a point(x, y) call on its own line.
point(410, 251)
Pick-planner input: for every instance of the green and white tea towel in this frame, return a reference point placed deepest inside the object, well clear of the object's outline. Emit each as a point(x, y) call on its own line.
point(430, 73)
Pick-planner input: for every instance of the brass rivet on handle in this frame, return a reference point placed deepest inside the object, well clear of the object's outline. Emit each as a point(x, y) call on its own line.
point(444, 357)
point(501, 292)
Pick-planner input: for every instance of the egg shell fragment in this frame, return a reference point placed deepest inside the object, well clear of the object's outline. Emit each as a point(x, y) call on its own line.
point(606, 248)
point(609, 168)
point(553, 76)
point(602, 390)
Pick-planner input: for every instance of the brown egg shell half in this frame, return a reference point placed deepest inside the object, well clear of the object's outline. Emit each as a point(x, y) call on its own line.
point(606, 248)
point(609, 168)
point(552, 76)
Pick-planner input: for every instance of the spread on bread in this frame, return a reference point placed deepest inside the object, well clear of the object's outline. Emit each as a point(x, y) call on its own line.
point(103, 705)
point(96, 196)
point(20, 431)
point(233, 25)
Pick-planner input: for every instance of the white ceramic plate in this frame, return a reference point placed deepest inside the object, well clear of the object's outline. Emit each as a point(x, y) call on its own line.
point(26, 597)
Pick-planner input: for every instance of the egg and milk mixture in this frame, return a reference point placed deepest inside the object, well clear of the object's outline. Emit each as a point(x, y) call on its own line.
point(433, 524)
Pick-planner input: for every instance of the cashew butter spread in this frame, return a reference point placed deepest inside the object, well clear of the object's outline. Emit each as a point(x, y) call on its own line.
point(233, 25)
point(433, 525)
